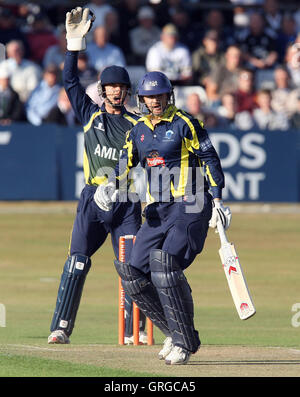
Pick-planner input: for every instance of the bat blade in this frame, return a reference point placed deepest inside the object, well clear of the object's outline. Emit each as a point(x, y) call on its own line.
point(236, 281)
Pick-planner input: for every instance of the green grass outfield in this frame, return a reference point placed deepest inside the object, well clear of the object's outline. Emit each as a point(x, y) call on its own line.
point(34, 239)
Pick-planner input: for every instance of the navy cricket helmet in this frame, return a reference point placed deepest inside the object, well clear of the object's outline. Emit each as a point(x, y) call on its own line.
point(154, 83)
point(115, 75)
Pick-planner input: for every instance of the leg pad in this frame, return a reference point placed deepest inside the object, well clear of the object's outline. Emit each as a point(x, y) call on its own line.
point(176, 298)
point(141, 290)
point(69, 293)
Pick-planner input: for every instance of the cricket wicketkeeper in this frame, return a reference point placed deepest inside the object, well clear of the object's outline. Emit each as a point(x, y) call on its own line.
point(104, 136)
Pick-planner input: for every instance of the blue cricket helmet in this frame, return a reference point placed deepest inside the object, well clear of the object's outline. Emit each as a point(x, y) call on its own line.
point(154, 83)
point(115, 75)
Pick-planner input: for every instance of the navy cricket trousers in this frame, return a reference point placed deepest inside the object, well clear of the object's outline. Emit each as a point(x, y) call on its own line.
point(179, 228)
point(92, 225)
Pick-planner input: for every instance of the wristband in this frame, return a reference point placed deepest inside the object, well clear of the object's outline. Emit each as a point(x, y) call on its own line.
point(76, 44)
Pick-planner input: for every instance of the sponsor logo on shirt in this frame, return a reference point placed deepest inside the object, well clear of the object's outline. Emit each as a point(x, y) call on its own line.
point(154, 159)
point(106, 152)
point(100, 126)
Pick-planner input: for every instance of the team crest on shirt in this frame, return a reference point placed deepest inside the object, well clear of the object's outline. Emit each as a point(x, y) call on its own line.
point(168, 136)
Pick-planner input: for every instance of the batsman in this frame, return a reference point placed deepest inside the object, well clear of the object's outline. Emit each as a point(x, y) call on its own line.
point(185, 182)
point(104, 136)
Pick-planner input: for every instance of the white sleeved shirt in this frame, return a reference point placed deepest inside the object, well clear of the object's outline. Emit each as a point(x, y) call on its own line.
point(176, 63)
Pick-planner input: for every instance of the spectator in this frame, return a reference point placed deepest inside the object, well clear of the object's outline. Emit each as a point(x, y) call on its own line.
point(188, 30)
point(44, 96)
point(225, 76)
point(207, 57)
point(295, 118)
point(284, 98)
point(62, 113)
point(100, 8)
point(257, 45)
point(297, 19)
point(265, 117)
point(25, 75)
point(86, 73)
point(195, 107)
point(292, 63)
point(286, 35)
point(229, 117)
point(143, 36)
point(214, 20)
point(102, 53)
point(227, 110)
point(112, 24)
point(11, 108)
point(170, 57)
point(40, 37)
point(273, 16)
point(10, 30)
point(212, 98)
point(165, 9)
point(55, 54)
point(240, 21)
point(245, 94)
point(128, 20)
point(92, 90)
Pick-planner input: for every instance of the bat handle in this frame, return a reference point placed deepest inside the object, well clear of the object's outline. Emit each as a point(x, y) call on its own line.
point(222, 233)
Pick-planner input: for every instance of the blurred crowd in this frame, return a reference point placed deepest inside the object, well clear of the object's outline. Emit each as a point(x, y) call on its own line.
point(233, 66)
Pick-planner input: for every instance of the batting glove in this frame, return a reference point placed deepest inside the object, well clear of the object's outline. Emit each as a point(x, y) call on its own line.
point(105, 196)
point(220, 213)
point(77, 26)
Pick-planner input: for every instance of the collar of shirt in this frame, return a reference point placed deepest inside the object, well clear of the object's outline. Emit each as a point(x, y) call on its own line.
point(168, 116)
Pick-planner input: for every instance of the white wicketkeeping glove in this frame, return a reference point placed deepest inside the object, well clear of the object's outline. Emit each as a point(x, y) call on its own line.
point(77, 26)
point(105, 196)
point(220, 213)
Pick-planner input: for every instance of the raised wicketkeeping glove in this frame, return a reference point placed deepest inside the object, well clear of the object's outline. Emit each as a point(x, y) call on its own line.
point(77, 26)
point(220, 213)
point(105, 196)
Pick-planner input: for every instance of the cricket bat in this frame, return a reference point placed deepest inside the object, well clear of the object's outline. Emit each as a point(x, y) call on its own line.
point(235, 277)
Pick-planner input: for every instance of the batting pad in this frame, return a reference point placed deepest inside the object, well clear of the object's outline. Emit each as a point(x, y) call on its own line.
point(176, 298)
point(141, 290)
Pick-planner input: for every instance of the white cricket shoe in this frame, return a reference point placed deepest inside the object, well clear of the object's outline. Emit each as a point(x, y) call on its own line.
point(143, 339)
point(58, 337)
point(167, 348)
point(178, 356)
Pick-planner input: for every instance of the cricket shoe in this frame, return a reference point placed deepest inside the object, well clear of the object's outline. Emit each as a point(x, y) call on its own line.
point(58, 337)
point(167, 348)
point(143, 339)
point(178, 356)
